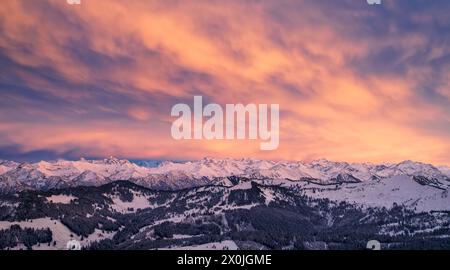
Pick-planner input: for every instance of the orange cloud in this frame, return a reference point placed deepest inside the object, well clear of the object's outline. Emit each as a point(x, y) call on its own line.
point(106, 74)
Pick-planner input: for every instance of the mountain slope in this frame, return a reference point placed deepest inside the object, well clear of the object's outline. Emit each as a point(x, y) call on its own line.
point(248, 215)
point(418, 186)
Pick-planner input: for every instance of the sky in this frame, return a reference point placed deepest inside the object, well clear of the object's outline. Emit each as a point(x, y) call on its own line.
point(354, 82)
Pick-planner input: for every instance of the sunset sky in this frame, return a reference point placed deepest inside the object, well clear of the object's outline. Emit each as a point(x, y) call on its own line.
point(354, 82)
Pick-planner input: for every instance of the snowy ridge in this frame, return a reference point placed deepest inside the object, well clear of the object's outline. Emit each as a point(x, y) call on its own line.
point(320, 169)
point(173, 175)
point(399, 190)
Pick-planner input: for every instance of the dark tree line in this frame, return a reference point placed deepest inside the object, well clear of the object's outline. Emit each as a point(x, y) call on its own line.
point(29, 237)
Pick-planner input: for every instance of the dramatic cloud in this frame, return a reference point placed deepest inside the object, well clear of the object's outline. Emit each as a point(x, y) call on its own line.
point(354, 82)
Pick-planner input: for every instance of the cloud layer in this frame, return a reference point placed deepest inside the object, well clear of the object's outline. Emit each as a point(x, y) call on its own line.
point(354, 82)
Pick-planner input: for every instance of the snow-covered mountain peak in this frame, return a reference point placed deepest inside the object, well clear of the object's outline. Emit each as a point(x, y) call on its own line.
point(445, 170)
point(412, 168)
point(115, 161)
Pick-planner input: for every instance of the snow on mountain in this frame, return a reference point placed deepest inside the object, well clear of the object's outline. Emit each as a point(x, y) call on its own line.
point(398, 190)
point(113, 168)
point(207, 167)
point(207, 171)
point(44, 174)
point(320, 170)
point(445, 170)
point(4, 169)
point(412, 168)
point(6, 166)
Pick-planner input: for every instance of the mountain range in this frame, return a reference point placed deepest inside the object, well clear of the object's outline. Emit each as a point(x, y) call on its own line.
point(223, 204)
point(45, 175)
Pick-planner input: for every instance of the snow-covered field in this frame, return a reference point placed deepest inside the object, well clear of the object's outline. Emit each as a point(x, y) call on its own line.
point(60, 233)
point(64, 199)
point(401, 190)
point(140, 201)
